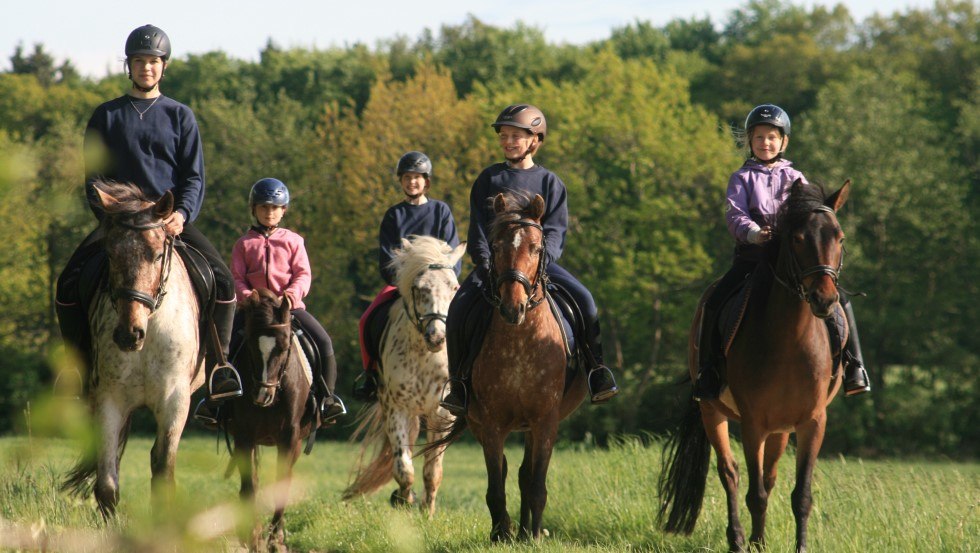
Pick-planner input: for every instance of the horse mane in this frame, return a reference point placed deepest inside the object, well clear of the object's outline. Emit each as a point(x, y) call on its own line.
point(801, 201)
point(409, 262)
point(518, 204)
point(262, 305)
point(130, 199)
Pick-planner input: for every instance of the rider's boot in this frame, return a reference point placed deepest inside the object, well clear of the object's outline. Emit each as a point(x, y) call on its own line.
point(602, 385)
point(331, 406)
point(708, 383)
point(71, 378)
point(223, 380)
point(455, 400)
point(856, 379)
point(366, 387)
point(207, 414)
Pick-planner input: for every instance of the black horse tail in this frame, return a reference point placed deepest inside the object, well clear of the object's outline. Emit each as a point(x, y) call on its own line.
point(80, 480)
point(687, 454)
point(452, 429)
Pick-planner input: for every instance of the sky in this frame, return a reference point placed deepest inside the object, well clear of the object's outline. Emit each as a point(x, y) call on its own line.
point(91, 33)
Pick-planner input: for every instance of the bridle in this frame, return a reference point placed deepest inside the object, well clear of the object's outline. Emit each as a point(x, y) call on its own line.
point(411, 308)
point(796, 276)
point(515, 275)
point(152, 302)
point(277, 383)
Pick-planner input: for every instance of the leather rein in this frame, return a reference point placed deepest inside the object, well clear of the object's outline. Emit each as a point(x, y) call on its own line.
point(422, 321)
point(515, 275)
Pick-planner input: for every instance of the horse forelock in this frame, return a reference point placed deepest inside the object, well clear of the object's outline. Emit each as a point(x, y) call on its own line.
point(518, 207)
point(260, 308)
point(411, 261)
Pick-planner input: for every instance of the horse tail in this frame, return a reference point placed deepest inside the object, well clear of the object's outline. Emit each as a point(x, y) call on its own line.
point(80, 480)
point(687, 454)
point(370, 429)
point(452, 432)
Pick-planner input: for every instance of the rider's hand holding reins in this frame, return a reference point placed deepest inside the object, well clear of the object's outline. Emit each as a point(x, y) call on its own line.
point(175, 223)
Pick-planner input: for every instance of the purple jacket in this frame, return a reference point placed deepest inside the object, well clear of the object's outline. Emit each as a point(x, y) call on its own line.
point(755, 193)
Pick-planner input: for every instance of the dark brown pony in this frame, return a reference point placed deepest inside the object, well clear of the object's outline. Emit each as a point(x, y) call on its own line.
point(273, 408)
point(519, 378)
point(780, 372)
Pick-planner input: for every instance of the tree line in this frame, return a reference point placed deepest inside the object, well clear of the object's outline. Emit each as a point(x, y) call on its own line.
point(640, 130)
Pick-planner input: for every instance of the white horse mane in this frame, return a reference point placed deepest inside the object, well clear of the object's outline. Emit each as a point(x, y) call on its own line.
point(415, 255)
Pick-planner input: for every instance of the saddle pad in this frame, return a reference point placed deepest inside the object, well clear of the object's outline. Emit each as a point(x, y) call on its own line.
point(562, 316)
point(732, 312)
point(304, 360)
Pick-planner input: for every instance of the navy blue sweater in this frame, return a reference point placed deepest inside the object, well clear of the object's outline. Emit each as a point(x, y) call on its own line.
point(160, 152)
point(433, 218)
point(500, 178)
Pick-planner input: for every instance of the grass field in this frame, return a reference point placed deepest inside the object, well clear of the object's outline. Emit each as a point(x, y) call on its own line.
point(599, 500)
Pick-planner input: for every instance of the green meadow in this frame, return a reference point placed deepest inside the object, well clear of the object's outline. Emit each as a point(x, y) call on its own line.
point(599, 500)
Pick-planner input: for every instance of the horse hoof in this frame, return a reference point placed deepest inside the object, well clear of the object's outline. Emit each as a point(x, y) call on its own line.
point(397, 500)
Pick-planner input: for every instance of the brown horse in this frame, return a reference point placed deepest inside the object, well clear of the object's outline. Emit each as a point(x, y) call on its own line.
point(273, 409)
point(519, 378)
point(781, 376)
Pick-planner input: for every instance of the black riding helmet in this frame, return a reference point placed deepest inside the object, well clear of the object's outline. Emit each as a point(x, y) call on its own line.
point(768, 114)
point(414, 162)
point(148, 40)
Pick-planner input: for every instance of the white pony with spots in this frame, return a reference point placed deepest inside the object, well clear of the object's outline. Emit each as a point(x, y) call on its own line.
point(415, 367)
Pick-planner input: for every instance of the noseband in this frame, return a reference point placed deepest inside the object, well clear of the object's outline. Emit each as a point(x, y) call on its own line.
point(797, 274)
point(422, 321)
point(151, 302)
point(515, 275)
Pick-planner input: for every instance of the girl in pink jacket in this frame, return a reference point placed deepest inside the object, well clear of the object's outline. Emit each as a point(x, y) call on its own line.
point(269, 256)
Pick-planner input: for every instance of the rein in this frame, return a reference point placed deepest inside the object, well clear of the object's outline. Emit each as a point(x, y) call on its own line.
point(152, 302)
point(422, 321)
point(794, 281)
point(515, 275)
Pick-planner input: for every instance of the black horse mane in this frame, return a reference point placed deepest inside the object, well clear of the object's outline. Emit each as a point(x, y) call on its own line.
point(801, 201)
point(518, 207)
point(262, 308)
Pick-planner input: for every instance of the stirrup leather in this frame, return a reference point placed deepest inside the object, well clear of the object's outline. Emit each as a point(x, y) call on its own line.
point(235, 376)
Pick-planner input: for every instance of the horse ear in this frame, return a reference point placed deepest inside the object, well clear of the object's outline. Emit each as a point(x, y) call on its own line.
point(457, 253)
point(499, 203)
point(537, 207)
point(406, 243)
point(839, 198)
point(285, 306)
point(164, 206)
point(105, 200)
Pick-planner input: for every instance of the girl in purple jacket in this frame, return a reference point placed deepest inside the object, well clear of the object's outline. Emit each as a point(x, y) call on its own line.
point(755, 193)
point(272, 257)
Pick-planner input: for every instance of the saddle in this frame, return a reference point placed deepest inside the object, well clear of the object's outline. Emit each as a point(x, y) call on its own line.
point(735, 305)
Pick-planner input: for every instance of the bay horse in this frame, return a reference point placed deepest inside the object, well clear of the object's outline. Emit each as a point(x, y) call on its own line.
point(781, 376)
point(520, 380)
point(415, 368)
point(274, 409)
point(146, 348)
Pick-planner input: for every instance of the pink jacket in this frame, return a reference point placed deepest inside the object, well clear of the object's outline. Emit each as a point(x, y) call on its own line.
point(277, 262)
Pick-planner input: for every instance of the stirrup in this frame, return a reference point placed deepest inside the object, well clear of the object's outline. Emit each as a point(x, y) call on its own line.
point(233, 376)
point(603, 395)
point(337, 402)
point(208, 420)
point(859, 380)
point(447, 392)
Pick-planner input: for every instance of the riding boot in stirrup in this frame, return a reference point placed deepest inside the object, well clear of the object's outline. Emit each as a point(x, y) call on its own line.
point(366, 386)
point(707, 385)
point(856, 379)
point(602, 385)
point(207, 415)
point(224, 381)
point(455, 401)
point(331, 407)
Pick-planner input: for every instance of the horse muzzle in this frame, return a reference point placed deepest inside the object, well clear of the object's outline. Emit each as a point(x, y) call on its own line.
point(129, 337)
point(265, 396)
point(435, 340)
point(513, 315)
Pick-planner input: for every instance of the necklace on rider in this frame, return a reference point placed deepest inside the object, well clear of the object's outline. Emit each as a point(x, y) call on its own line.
point(141, 113)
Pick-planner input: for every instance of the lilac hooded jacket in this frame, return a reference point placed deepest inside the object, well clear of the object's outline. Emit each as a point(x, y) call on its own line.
point(755, 193)
point(278, 262)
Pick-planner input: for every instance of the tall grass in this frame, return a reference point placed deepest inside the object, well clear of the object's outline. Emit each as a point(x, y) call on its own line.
point(599, 500)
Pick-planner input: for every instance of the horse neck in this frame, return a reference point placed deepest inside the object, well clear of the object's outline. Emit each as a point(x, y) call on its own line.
point(786, 314)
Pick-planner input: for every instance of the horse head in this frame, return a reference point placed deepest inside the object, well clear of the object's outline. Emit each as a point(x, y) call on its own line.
point(811, 245)
point(268, 342)
point(139, 252)
point(517, 264)
point(426, 277)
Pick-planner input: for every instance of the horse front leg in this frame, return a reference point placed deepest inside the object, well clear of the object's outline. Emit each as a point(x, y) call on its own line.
point(756, 496)
point(496, 462)
point(524, 483)
point(114, 425)
point(716, 428)
point(170, 418)
point(432, 470)
point(809, 438)
point(250, 530)
point(542, 444)
point(402, 431)
point(289, 450)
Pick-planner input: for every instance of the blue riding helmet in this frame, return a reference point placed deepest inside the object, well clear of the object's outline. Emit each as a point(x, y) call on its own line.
point(268, 191)
point(769, 114)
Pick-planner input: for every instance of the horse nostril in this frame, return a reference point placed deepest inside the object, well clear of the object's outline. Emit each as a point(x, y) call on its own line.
point(139, 333)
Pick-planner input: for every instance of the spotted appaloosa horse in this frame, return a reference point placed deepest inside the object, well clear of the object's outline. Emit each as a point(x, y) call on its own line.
point(781, 376)
point(414, 370)
point(145, 343)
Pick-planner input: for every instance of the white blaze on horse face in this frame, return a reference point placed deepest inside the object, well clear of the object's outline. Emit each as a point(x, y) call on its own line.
point(266, 343)
point(517, 240)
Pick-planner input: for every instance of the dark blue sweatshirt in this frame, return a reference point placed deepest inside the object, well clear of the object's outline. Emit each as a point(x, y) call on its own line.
point(432, 218)
point(160, 151)
point(500, 178)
